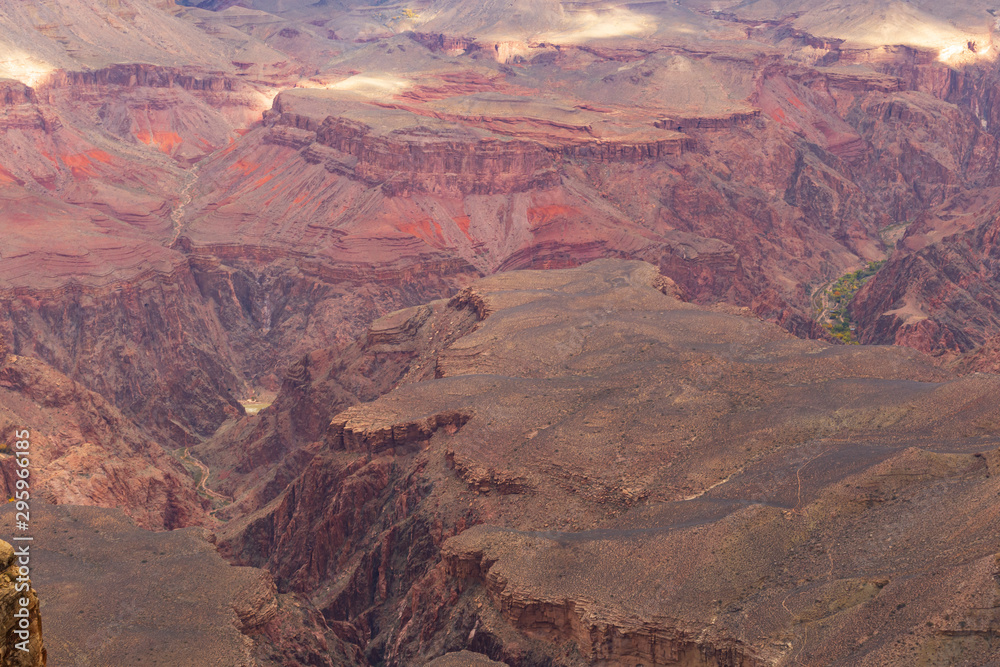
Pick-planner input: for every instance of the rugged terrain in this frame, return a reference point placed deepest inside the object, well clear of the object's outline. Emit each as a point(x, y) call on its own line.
point(232, 189)
point(200, 205)
point(600, 473)
point(19, 650)
point(167, 599)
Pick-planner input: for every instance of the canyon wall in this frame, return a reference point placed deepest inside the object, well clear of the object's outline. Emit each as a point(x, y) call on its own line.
point(478, 510)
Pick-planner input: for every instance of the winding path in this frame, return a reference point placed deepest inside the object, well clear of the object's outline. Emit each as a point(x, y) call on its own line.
point(205, 471)
point(820, 302)
point(177, 214)
point(185, 195)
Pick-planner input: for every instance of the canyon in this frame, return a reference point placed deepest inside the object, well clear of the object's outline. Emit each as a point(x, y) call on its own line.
point(533, 288)
point(266, 224)
point(757, 498)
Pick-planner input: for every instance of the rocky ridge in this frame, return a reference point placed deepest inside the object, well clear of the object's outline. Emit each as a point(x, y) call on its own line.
point(496, 509)
point(423, 153)
point(751, 157)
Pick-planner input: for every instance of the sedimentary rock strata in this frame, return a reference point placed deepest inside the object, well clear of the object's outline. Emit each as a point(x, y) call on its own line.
point(285, 187)
point(638, 479)
point(86, 452)
point(201, 205)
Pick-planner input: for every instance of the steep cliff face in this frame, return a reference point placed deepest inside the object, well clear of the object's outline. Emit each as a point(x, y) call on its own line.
point(262, 455)
point(600, 636)
point(86, 452)
point(15, 92)
point(425, 160)
point(488, 510)
point(181, 603)
point(24, 644)
point(935, 292)
point(105, 338)
point(942, 141)
point(762, 178)
point(940, 298)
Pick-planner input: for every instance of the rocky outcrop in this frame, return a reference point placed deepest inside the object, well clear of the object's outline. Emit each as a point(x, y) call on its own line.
point(130, 75)
point(264, 454)
point(703, 268)
point(435, 160)
point(610, 150)
point(451, 44)
point(939, 299)
point(22, 112)
point(352, 431)
point(601, 637)
point(527, 536)
point(687, 123)
point(15, 92)
point(24, 644)
point(86, 452)
point(293, 137)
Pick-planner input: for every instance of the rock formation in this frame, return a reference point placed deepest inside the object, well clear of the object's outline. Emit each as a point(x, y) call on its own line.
point(937, 293)
point(260, 456)
point(200, 204)
point(85, 452)
point(272, 183)
point(602, 473)
point(24, 645)
point(163, 597)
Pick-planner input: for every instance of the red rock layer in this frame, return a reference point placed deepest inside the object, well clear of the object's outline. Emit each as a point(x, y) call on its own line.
point(85, 452)
point(299, 233)
point(823, 144)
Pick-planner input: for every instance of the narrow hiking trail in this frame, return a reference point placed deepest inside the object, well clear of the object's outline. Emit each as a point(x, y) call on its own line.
point(205, 472)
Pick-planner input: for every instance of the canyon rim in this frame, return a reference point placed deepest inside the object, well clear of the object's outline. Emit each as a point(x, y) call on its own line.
point(537, 334)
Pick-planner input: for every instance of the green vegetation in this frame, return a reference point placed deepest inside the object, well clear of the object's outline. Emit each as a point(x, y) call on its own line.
point(192, 469)
point(838, 298)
